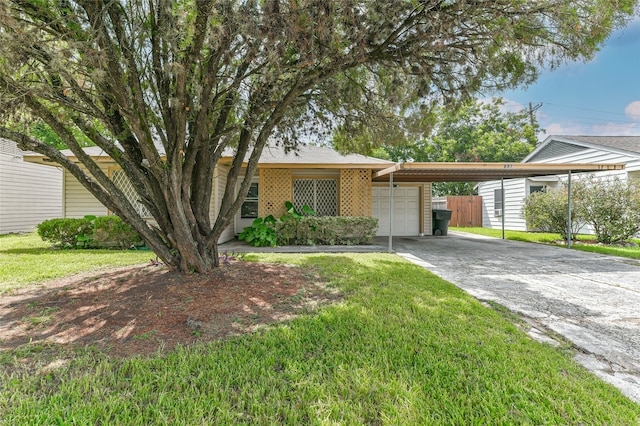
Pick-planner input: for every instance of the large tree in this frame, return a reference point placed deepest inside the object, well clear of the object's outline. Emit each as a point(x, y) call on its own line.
point(475, 131)
point(165, 87)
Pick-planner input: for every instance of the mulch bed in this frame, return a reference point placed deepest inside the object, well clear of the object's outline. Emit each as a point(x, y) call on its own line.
point(137, 310)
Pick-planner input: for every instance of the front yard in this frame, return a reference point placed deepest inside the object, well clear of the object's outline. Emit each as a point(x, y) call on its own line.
point(393, 345)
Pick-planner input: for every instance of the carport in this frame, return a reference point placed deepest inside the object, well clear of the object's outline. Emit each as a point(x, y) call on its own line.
point(480, 172)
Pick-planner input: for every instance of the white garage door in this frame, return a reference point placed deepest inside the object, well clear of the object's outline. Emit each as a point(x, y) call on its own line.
point(406, 210)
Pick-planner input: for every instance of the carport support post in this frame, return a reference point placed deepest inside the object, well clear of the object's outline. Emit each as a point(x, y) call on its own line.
point(569, 210)
point(390, 212)
point(503, 209)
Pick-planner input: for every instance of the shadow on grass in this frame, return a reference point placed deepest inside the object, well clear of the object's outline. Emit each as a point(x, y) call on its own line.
point(35, 251)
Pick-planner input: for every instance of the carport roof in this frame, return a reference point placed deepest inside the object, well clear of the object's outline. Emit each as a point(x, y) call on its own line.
point(479, 172)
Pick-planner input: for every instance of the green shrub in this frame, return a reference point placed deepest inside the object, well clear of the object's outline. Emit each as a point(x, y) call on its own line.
point(612, 208)
point(296, 228)
point(547, 211)
point(261, 233)
point(65, 232)
point(89, 232)
point(112, 232)
point(327, 230)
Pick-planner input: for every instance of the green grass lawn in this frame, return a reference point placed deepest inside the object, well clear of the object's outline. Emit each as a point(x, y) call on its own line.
point(25, 259)
point(403, 347)
point(550, 238)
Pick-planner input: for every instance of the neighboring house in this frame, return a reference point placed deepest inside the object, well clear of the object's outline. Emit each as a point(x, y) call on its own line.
point(557, 149)
point(29, 193)
point(330, 183)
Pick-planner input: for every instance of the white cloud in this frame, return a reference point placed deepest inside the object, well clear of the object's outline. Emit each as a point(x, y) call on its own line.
point(561, 129)
point(507, 106)
point(605, 129)
point(511, 106)
point(633, 110)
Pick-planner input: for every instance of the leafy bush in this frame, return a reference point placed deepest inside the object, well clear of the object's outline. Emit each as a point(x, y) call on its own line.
point(112, 232)
point(327, 230)
point(261, 233)
point(547, 211)
point(292, 213)
point(612, 208)
point(89, 232)
point(296, 228)
point(65, 232)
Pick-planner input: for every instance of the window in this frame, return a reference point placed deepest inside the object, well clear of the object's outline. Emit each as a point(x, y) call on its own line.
point(497, 202)
point(319, 194)
point(536, 188)
point(249, 209)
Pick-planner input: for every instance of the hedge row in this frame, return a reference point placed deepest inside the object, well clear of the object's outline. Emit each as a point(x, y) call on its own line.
point(326, 230)
point(90, 232)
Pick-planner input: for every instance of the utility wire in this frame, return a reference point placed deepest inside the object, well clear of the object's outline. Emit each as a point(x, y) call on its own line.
point(622, 126)
point(584, 109)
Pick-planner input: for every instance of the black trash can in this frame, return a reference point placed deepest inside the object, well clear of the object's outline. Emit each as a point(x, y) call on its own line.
point(440, 221)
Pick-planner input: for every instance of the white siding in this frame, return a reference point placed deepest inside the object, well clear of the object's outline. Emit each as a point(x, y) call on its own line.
point(78, 201)
point(514, 190)
point(29, 193)
point(593, 156)
point(597, 156)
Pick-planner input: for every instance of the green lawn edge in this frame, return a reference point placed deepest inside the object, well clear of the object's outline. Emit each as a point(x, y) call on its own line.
point(552, 239)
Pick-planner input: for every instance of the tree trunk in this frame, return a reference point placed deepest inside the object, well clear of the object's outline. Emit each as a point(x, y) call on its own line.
point(196, 257)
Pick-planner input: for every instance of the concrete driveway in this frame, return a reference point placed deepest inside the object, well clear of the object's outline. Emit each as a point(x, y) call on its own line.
point(591, 300)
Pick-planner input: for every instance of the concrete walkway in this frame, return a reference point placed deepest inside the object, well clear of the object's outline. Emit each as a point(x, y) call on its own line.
point(591, 300)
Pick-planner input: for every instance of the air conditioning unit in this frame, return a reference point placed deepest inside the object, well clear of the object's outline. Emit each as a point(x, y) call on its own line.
point(498, 212)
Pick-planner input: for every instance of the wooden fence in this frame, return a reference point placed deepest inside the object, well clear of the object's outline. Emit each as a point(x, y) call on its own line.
point(466, 210)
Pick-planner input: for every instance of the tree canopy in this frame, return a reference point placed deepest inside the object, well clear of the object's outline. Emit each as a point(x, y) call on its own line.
point(166, 87)
point(476, 131)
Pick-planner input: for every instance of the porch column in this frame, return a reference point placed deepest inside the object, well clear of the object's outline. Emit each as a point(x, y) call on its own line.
point(390, 212)
point(504, 210)
point(569, 210)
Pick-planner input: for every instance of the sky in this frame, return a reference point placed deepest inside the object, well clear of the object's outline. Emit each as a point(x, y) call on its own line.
point(597, 98)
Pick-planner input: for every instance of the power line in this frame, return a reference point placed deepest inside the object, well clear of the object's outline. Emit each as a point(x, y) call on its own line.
point(532, 111)
point(605, 119)
point(594, 121)
point(622, 126)
point(584, 109)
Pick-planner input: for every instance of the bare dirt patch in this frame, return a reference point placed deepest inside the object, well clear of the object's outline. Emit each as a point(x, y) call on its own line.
point(136, 310)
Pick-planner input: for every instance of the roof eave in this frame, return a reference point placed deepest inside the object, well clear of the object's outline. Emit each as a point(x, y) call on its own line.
point(478, 172)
